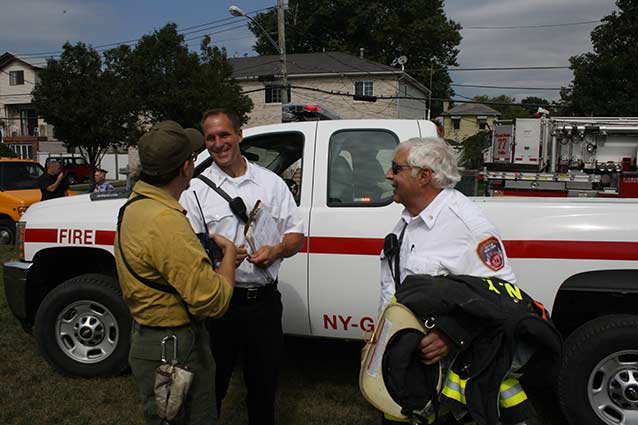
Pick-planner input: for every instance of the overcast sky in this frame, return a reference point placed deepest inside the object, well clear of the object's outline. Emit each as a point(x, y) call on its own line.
point(34, 26)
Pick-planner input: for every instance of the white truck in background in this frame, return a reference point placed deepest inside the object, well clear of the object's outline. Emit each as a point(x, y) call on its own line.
point(564, 157)
point(579, 257)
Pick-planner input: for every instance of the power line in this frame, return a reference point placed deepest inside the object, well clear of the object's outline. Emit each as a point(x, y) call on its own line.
point(347, 94)
point(181, 31)
point(505, 68)
point(566, 24)
point(506, 87)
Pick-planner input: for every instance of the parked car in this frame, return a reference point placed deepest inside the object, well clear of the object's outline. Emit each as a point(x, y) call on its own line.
point(18, 190)
point(75, 167)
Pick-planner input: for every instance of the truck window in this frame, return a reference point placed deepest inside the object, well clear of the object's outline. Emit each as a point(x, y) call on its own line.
point(20, 175)
point(280, 153)
point(357, 163)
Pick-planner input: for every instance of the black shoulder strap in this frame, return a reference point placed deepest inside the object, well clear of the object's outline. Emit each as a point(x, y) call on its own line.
point(163, 288)
point(217, 189)
point(237, 205)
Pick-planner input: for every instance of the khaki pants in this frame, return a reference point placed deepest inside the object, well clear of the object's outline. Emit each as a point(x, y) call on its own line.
point(194, 352)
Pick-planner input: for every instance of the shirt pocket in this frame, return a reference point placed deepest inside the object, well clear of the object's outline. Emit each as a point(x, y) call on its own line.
point(420, 265)
point(223, 222)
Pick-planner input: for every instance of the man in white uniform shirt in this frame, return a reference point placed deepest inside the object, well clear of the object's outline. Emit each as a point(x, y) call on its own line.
point(252, 325)
point(440, 230)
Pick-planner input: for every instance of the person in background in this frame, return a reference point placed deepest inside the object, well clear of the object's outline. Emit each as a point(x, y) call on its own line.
point(101, 185)
point(53, 183)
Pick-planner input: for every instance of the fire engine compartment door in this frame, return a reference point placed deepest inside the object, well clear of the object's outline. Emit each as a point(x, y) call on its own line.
point(352, 211)
point(527, 139)
point(503, 144)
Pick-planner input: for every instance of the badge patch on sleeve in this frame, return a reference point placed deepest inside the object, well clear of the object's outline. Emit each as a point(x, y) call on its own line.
point(491, 253)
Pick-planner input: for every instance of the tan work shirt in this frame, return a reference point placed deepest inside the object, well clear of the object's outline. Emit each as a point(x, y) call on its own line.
point(159, 244)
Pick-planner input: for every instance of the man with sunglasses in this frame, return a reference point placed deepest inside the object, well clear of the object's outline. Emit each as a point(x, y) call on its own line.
point(440, 230)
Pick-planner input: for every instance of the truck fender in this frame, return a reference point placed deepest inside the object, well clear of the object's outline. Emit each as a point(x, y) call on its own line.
point(588, 295)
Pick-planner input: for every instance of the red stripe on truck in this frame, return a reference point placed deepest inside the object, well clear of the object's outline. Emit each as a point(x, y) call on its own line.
point(104, 237)
point(352, 246)
point(572, 250)
point(41, 235)
point(568, 250)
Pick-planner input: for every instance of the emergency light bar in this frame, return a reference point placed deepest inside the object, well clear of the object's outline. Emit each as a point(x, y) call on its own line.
point(299, 112)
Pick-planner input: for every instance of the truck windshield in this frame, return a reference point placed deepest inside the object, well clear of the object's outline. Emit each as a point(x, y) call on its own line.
point(19, 175)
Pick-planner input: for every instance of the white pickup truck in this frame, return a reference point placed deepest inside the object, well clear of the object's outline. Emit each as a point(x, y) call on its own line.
point(577, 256)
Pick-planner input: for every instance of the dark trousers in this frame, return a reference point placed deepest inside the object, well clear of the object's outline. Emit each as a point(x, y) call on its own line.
point(193, 351)
point(252, 329)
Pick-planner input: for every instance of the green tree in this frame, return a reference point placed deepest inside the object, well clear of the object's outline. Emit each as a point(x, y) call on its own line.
point(167, 81)
point(531, 104)
point(605, 81)
point(94, 104)
point(82, 101)
point(473, 146)
point(418, 29)
point(503, 104)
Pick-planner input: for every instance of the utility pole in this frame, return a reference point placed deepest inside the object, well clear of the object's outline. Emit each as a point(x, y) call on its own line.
point(430, 95)
point(281, 30)
point(281, 46)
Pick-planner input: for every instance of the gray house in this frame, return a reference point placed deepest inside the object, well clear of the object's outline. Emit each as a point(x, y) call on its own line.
point(324, 79)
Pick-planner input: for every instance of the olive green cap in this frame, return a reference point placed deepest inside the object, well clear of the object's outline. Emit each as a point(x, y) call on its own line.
point(166, 146)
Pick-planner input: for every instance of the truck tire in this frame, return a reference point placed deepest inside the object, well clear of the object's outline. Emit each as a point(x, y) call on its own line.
point(72, 179)
point(598, 382)
point(83, 327)
point(7, 231)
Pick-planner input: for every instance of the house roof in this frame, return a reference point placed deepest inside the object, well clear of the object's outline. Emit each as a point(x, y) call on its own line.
point(314, 65)
point(471, 109)
point(6, 58)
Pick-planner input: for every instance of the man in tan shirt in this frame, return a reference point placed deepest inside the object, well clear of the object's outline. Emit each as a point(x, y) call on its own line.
point(166, 276)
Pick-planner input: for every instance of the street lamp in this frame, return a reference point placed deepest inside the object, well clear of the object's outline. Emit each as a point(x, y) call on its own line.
point(280, 47)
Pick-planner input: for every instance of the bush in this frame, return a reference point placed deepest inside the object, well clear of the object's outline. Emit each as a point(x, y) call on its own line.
point(6, 152)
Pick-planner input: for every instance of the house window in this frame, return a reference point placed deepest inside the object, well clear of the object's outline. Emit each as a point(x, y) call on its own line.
point(363, 88)
point(16, 78)
point(482, 123)
point(456, 123)
point(273, 93)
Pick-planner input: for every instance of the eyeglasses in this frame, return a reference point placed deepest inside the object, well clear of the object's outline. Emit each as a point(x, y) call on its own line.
point(396, 168)
point(194, 156)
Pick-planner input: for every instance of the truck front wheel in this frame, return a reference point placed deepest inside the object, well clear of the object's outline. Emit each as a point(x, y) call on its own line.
point(7, 231)
point(598, 383)
point(83, 327)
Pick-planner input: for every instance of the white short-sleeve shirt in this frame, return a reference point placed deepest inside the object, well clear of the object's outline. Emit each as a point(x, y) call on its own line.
point(257, 183)
point(451, 235)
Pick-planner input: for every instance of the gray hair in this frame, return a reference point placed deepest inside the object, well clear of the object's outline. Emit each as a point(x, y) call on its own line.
point(435, 154)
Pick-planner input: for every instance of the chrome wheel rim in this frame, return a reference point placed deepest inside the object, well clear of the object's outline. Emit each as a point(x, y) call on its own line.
point(5, 237)
point(87, 332)
point(613, 388)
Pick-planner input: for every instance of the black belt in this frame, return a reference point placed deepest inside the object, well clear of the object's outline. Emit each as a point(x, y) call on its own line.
point(161, 328)
point(252, 294)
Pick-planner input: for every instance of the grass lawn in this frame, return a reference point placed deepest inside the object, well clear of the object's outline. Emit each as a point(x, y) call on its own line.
point(318, 385)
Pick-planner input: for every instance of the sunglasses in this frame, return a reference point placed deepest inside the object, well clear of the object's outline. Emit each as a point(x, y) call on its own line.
point(396, 168)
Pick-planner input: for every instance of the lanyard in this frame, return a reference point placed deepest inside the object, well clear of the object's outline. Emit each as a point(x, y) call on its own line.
point(392, 251)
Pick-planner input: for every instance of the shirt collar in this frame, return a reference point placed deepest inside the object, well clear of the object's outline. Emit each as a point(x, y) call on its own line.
point(220, 175)
point(432, 211)
point(160, 195)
